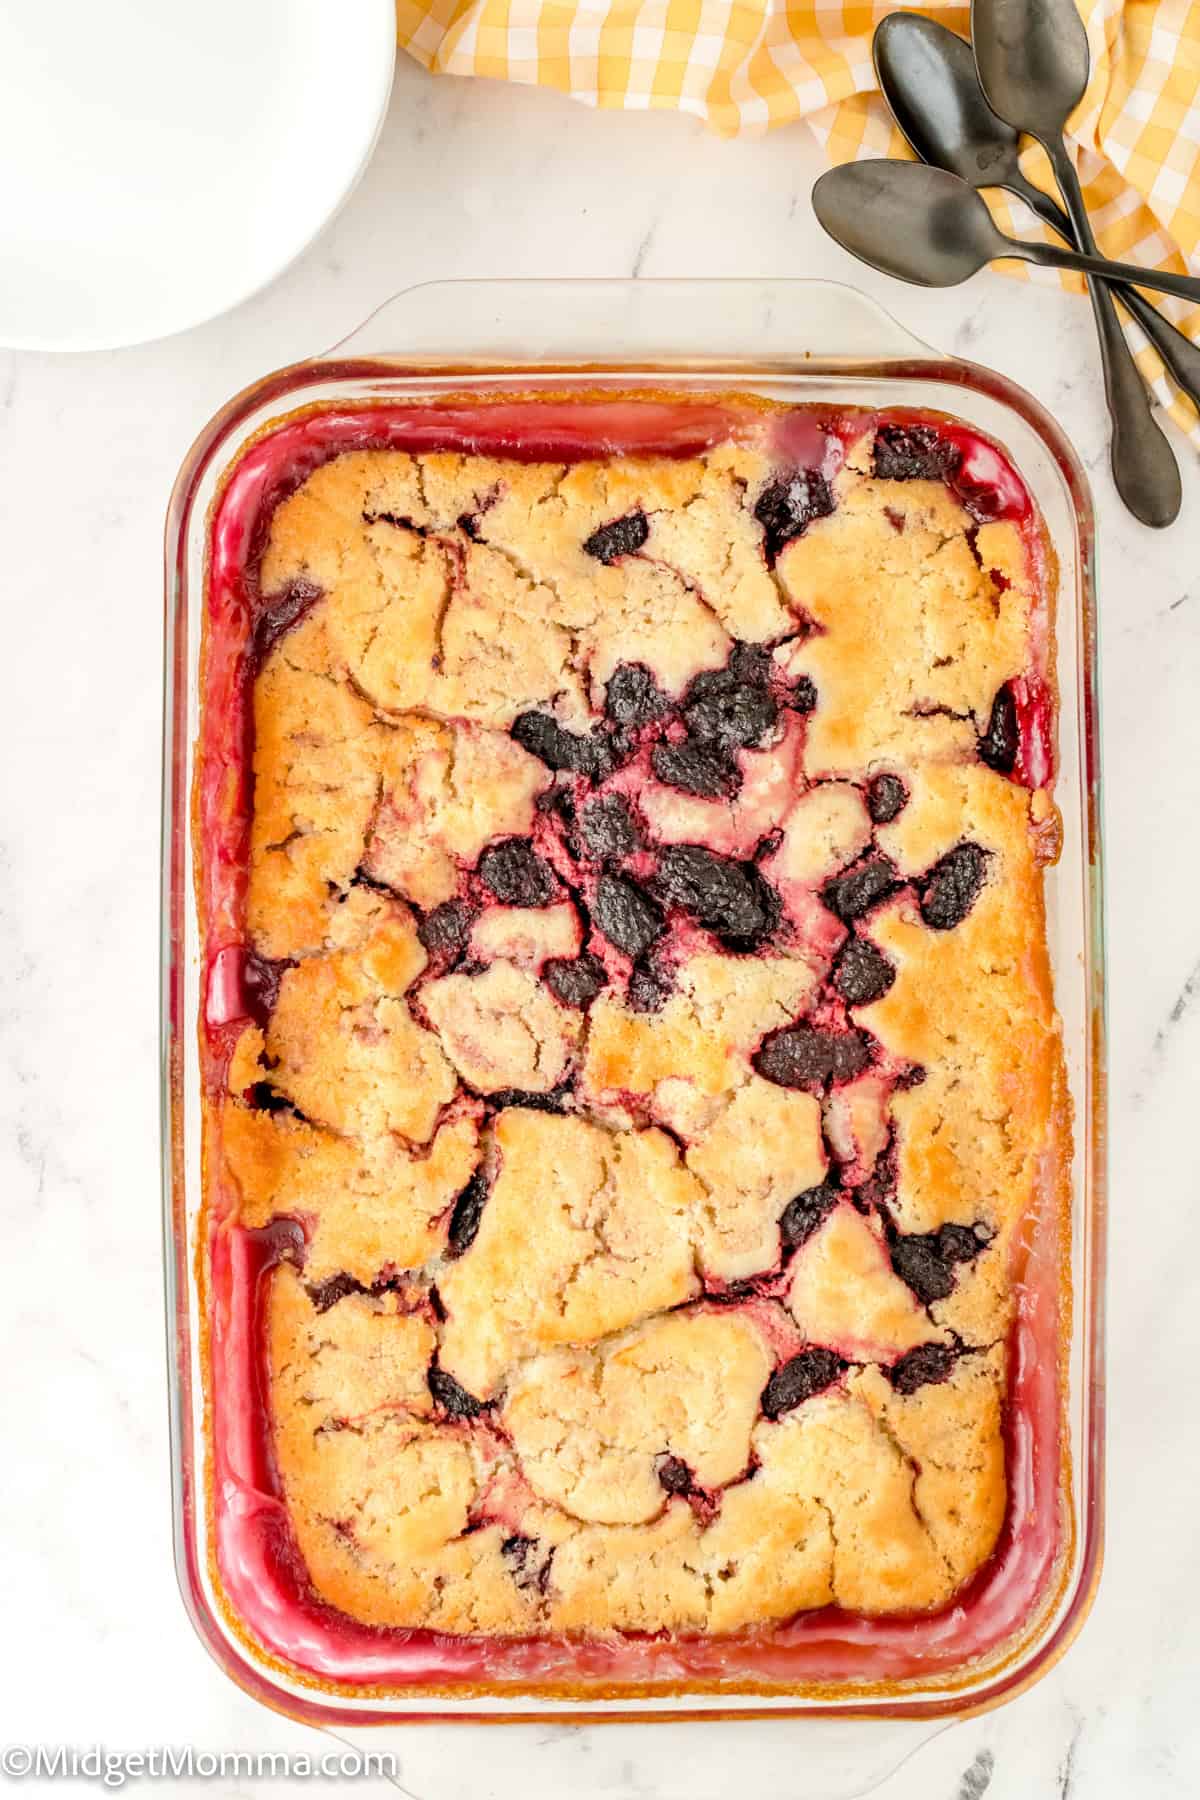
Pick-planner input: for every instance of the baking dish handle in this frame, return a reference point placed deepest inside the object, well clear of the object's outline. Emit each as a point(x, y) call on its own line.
point(598, 322)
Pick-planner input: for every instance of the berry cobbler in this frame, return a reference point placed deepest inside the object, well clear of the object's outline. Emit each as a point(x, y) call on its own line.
point(632, 1064)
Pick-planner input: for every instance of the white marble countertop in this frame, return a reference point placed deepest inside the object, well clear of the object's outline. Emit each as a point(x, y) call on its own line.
point(475, 179)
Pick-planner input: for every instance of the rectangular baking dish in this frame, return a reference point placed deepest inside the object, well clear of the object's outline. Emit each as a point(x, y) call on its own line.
point(794, 341)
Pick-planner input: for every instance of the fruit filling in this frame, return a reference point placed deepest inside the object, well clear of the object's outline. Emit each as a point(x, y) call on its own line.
point(631, 1062)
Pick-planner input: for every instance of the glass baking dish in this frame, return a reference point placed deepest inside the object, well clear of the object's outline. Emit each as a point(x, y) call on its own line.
point(789, 340)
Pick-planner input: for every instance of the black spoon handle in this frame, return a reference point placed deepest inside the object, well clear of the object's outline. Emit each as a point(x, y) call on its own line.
point(1178, 352)
point(1185, 287)
point(1143, 464)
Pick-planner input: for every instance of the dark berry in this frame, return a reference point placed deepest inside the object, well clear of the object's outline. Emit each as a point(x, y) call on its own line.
point(807, 1212)
point(735, 718)
point(919, 1263)
point(694, 768)
point(857, 889)
point(261, 981)
point(1001, 741)
point(862, 973)
point(950, 889)
point(529, 1569)
point(887, 797)
point(516, 874)
point(674, 1476)
point(649, 987)
point(729, 898)
point(928, 1362)
point(788, 505)
point(962, 1243)
point(799, 1379)
point(626, 914)
point(280, 612)
point(327, 1293)
point(880, 1186)
point(468, 1211)
point(802, 695)
point(264, 1098)
point(546, 739)
point(914, 453)
point(554, 1100)
point(558, 802)
point(453, 1399)
point(595, 755)
point(750, 663)
point(445, 930)
point(607, 828)
point(633, 697)
point(575, 980)
point(621, 537)
point(805, 1057)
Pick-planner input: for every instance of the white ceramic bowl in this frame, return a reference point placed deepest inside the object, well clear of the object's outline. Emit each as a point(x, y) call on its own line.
point(165, 159)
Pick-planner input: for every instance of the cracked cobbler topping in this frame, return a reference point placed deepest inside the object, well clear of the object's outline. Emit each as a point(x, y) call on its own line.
point(647, 1025)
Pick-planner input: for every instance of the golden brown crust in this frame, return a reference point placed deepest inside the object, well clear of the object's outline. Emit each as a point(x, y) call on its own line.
point(502, 1403)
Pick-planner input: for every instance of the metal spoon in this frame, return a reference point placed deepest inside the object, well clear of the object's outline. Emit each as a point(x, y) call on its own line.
point(1033, 64)
point(926, 226)
point(929, 81)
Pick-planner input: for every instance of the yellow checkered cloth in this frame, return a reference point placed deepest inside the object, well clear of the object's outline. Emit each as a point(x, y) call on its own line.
point(745, 65)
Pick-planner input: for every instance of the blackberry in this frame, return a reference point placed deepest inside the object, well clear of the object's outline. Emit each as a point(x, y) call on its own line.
point(729, 898)
point(649, 986)
point(554, 1100)
point(949, 890)
point(674, 1476)
point(327, 1293)
point(928, 1362)
point(575, 980)
point(805, 1213)
point(732, 707)
point(799, 1379)
point(607, 828)
point(787, 506)
point(857, 889)
point(516, 874)
point(621, 537)
point(862, 973)
point(914, 453)
point(262, 977)
point(1001, 741)
point(444, 931)
point(926, 1260)
point(595, 755)
point(453, 1399)
point(803, 1056)
point(467, 1215)
point(696, 768)
point(633, 697)
point(887, 797)
point(626, 914)
point(802, 695)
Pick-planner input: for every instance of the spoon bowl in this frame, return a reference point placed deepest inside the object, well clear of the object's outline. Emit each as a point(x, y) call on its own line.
point(926, 226)
point(927, 75)
point(1033, 62)
point(916, 223)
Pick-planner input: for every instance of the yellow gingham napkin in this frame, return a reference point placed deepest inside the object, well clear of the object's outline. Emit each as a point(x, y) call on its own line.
point(745, 65)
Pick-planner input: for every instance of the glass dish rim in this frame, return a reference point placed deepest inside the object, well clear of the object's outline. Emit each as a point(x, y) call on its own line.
point(281, 390)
